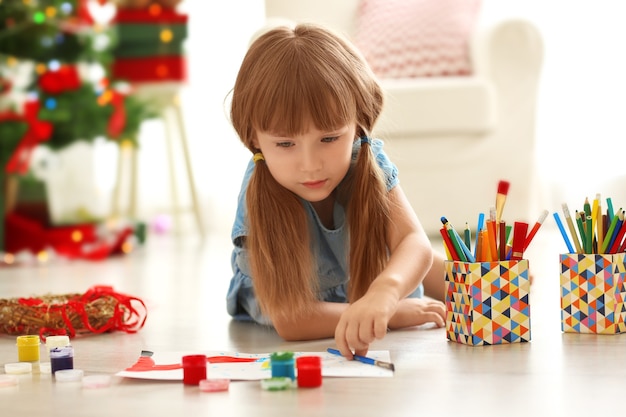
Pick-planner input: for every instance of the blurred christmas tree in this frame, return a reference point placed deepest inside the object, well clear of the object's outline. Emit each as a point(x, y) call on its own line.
point(71, 57)
point(55, 83)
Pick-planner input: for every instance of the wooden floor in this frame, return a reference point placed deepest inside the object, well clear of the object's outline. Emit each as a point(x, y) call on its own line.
point(184, 282)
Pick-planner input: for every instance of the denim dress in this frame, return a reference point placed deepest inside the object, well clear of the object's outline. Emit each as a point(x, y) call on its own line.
point(332, 249)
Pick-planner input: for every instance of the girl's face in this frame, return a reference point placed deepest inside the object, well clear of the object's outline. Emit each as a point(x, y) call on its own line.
point(312, 164)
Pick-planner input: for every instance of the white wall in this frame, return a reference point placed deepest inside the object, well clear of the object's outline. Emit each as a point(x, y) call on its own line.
point(218, 37)
point(580, 116)
point(580, 126)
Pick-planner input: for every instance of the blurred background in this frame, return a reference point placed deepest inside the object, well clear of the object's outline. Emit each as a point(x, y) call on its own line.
point(579, 130)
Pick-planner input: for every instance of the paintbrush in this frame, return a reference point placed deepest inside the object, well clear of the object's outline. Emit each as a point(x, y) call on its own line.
point(366, 360)
point(503, 190)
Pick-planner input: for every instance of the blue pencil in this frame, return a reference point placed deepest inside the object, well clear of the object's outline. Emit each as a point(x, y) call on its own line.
point(364, 359)
point(464, 248)
point(563, 233)
point(479, 227)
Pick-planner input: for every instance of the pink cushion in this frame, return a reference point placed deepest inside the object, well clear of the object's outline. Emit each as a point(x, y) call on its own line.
point(416, 38)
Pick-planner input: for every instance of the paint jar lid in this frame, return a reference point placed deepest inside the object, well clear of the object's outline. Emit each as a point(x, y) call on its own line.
point(45, 368)
point(57, 341)
point(282, 356)
point(8, 381)
point(68, 375)
point(214, 384)
point(194, 360)
point(18, 368)
point(96, 381)
point(277, 383)
point(28, 340)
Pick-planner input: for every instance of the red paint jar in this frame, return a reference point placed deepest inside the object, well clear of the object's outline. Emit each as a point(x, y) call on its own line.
point(309, 371)
point(194, 369)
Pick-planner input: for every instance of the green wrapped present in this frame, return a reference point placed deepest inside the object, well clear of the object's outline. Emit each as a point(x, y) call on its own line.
point(145, 50)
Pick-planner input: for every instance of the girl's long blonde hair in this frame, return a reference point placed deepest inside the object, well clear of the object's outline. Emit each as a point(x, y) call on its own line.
point(289, 77)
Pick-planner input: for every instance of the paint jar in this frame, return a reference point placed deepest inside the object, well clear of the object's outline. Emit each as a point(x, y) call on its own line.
point(61, 358)
point(194, 369)
point(28, 348)
point(309, 371)
point(283, 365)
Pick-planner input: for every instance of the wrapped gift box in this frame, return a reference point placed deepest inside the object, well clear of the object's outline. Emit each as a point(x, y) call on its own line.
point(150, 45)
point(149, 15)
point(151, 69)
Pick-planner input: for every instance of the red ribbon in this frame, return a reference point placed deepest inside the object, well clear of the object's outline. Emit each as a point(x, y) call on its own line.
point(129, 315)
point(38, 131)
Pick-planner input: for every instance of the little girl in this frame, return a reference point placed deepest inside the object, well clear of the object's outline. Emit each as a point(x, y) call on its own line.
point(325, 241)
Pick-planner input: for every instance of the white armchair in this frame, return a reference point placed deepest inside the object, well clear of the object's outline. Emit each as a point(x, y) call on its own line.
point(454, 138)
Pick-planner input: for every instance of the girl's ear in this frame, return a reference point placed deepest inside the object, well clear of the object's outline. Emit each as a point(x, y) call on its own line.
point(255, 141)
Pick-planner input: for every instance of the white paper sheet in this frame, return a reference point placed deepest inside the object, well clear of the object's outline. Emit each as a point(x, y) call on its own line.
point(332, 366)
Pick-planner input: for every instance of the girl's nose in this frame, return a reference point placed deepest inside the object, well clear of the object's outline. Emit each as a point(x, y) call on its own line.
point(310, 160)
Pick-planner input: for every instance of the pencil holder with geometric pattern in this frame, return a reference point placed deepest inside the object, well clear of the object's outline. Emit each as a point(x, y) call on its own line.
point(487, 303)
point(592, 293)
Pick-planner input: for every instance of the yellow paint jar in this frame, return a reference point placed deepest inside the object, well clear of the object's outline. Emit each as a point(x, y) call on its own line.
point(28, 348)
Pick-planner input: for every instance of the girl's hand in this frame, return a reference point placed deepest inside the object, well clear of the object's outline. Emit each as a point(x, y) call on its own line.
point(418, 311)
point(364, 321)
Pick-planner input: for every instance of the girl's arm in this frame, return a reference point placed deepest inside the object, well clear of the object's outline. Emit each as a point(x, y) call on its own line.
point(411, 258)
point(321, 323)
point(384, 306)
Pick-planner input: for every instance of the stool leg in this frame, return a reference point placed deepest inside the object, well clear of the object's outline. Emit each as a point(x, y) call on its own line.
point(190, 179)
point(117, 190)
point(134, 180)
point(170, 159)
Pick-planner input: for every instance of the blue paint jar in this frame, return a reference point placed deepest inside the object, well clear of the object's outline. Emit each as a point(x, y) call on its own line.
point(283, 365)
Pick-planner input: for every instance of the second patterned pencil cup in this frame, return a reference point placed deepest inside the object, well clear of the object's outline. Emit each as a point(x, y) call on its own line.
point(487, 303)
point(592, 293)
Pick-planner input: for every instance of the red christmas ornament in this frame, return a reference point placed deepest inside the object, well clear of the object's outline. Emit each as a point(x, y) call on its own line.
point(117, 122)
point(57, 81)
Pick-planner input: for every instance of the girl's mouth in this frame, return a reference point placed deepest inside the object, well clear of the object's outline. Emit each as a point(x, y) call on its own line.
point(314, 184)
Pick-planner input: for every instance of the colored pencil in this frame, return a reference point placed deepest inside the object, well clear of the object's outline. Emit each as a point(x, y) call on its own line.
point(610, 237)
point(572, 229)
point(563, 232)
point(537, 225)
point(620, 233)
point(479, 227)
point(452, 253)
point(502, 245)
point(366, 360)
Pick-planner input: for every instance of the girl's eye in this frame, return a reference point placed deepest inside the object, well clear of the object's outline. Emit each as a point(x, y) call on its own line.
point(284, 144)
point(330, 139)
